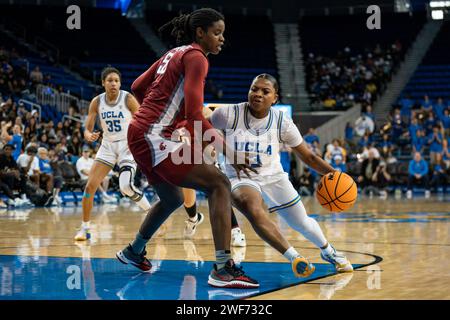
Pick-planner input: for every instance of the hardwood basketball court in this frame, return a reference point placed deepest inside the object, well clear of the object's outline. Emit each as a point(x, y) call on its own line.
point(400, 249)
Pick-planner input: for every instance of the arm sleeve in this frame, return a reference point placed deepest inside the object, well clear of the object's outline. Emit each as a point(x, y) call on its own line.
point(140, 85)
point(195, 71)
point(290, 134)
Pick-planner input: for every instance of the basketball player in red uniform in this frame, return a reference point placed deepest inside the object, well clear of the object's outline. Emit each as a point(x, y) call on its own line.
point(170, 93)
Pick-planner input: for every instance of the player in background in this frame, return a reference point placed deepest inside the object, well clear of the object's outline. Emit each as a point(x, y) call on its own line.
point(171, 96)
point(195, 218)
point(115, 109)
point(190, 205)
point(256, 127)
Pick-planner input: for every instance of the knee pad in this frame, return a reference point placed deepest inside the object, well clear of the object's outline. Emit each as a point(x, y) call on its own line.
point(127, 188)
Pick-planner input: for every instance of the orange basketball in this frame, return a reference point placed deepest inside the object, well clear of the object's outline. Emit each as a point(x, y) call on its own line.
point(337, 191)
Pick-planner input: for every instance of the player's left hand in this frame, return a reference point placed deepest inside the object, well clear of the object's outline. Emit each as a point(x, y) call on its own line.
point(240, 165)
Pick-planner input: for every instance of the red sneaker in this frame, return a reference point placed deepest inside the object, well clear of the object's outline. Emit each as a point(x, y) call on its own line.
point(127, 256)
point(231, 276)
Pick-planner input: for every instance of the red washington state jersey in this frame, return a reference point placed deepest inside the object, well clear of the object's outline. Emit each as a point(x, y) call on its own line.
point(171, 96)
point(167, 101)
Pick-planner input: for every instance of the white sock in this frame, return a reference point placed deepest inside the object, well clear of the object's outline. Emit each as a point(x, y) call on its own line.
point(328, 250)
point(194, 219)
point(85, 225)
point(291, 253)
point(298, 220)
point(144, 204)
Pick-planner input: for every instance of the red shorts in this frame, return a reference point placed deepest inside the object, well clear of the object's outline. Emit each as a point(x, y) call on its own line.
point(144, 154)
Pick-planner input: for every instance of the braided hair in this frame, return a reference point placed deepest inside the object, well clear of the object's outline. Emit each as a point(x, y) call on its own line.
point(185, 25)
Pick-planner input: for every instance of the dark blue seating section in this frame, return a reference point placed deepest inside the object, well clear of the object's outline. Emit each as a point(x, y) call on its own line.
point(106, 38)
point(432, 77)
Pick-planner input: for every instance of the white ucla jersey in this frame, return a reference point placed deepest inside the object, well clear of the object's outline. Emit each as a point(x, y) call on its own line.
point(114, 118)
point(260, 138)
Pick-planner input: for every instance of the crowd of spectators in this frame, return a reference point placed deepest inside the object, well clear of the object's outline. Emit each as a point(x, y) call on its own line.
point(32, 148)
point(414, 141)
point(340, 81)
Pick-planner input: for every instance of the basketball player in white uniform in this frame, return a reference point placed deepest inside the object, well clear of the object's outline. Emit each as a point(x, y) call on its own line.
point(115, 108)
point(259, 130)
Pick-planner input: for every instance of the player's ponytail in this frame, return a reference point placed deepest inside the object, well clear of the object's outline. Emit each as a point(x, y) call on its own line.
point(183, 27)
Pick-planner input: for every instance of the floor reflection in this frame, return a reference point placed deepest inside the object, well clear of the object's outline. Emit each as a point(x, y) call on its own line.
point(89, 278)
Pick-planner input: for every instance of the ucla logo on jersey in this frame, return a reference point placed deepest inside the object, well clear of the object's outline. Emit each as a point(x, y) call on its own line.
point(112, 115)
point(252, 146)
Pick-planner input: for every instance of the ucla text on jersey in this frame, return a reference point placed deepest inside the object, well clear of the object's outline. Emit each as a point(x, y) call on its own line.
point(115, 117)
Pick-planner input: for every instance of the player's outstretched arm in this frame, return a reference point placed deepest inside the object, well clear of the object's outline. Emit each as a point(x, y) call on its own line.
point(311, 159)
point(90, 121)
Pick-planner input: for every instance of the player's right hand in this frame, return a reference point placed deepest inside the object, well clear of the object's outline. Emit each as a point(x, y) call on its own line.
point(91, 136)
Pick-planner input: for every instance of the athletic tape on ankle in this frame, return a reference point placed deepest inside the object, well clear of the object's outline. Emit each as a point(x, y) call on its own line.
point(86, 195)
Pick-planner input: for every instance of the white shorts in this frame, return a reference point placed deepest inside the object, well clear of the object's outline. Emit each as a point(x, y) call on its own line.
point(277, 195)
point(112, 153)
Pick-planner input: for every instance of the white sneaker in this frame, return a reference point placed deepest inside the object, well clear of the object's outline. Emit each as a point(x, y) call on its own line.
point(237, 238)
point(339, 260)
point(409, 194)
point(427, 194)
point(191, 227)
point(18, 202)
point(25, 200)
point(82, 235)
point(383, 195)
